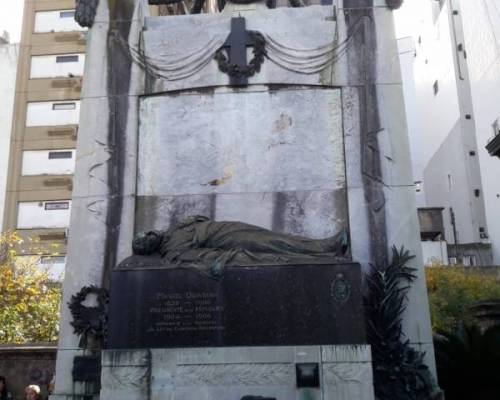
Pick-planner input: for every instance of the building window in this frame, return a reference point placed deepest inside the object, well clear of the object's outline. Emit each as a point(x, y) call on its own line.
point(56, 155)
point(57, 66)
point(52, 260)
point(67, 14)
point(436, 88)
point(67, 59)
point(450, 182)
point(63, 106)
point(59, 205)
point(56, 21)
point(482, 233)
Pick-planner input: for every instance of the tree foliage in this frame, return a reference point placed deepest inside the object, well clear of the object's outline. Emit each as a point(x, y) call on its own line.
point(29, 303)
point(452, 291)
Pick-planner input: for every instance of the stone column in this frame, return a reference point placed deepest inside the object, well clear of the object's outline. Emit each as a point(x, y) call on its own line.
point(102, 218)
point(382, 205)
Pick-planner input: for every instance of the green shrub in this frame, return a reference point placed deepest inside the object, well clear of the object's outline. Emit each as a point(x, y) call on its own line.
point(452, 290)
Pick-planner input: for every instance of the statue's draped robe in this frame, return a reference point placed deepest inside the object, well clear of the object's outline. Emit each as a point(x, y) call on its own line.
point(201, 242)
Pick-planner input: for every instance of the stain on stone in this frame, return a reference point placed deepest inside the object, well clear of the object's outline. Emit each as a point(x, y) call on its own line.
point(283, 123)
point(275, 87)
point(363, 64)
point(221, 181)
point(279, 205)
point(160, 212)
point(295, 213)
point(213, 205)
point(215, 182)
point(118, 85)
point(279, 134)
point(310, 213)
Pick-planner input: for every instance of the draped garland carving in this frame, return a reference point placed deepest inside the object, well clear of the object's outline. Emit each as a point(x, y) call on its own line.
point(174, 67)
point(168, 67)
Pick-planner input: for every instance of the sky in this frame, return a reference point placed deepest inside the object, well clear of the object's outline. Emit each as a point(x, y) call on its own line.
point(406, 18)
point(11, 17)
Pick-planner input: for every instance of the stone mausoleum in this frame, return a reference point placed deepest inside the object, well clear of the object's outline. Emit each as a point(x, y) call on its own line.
point(290, 119)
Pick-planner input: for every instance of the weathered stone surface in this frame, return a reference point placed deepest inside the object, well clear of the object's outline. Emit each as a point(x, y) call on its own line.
point(348, 381)
point(276, 167)
point(243, 141)
point(315, 214)
point(125, 374)
point(231, 373)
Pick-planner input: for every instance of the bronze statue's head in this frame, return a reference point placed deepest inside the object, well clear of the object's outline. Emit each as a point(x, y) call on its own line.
point(146, 243)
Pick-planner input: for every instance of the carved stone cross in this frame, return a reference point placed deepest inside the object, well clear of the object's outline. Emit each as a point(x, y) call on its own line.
point(236, 47)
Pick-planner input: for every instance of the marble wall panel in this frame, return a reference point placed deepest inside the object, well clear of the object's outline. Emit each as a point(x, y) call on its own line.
point(241, 142)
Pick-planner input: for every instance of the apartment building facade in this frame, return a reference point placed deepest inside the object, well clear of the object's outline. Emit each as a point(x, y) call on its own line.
point(455, 71)
point(9, 53)
point(45, 129)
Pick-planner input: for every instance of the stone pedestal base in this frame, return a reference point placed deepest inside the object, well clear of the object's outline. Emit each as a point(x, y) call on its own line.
point(345, 373)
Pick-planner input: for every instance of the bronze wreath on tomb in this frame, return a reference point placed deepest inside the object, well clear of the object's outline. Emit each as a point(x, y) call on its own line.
point(89, 321)
point(234, 70)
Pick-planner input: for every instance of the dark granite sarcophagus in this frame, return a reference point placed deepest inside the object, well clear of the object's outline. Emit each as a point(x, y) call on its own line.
point(315, 304)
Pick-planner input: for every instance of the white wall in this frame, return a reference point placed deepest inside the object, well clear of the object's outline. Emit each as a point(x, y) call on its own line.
point(32, 215)
point(407, 50)
point(444, 145)
point(445, 178)
point(52, 21)
point(481, 23)
point(45, 162)
point(42, 114)
point(8, 70)
point(52, 67)
point(437, 114)
point(435, 252)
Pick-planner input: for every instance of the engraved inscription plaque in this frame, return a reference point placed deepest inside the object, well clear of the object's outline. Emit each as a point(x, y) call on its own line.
point(249, 306)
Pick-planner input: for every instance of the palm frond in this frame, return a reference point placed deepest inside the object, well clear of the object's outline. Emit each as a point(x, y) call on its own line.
point(468, 362)
point(399, 370)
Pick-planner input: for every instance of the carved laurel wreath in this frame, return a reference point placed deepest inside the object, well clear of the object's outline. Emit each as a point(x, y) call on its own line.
point(233, 70)
point(89, 321)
